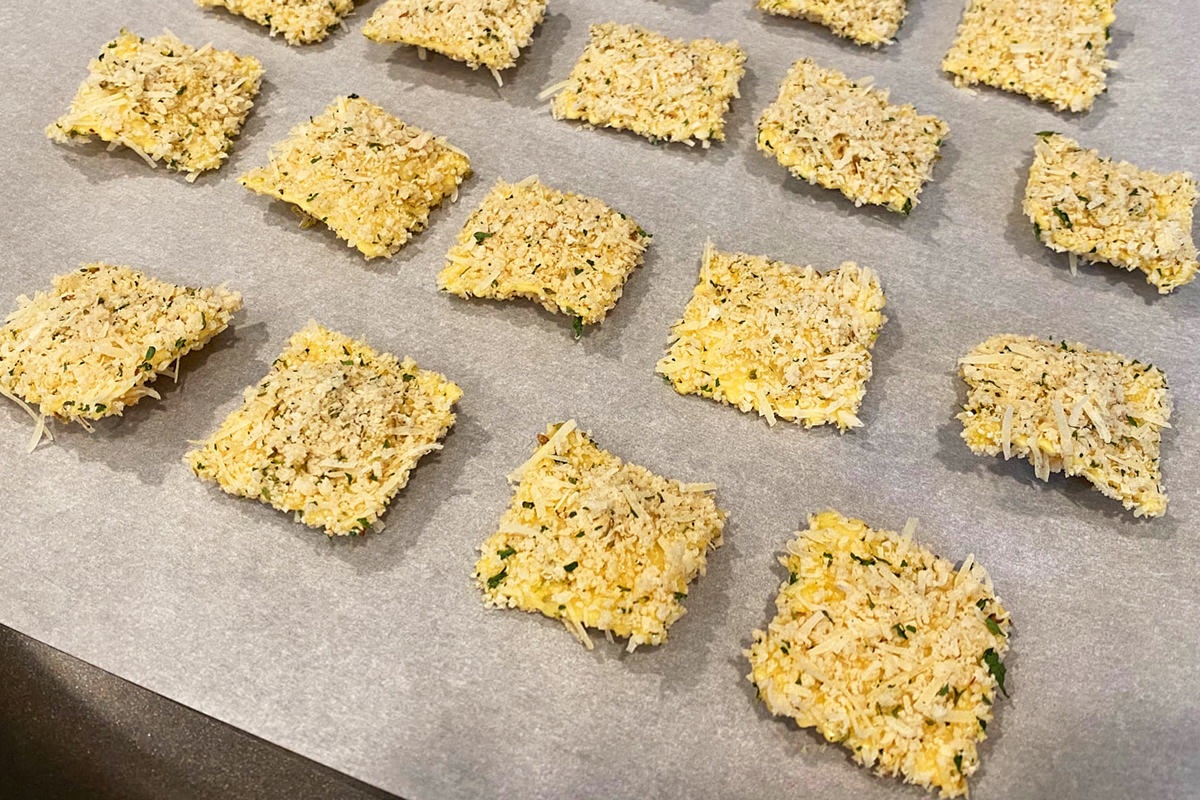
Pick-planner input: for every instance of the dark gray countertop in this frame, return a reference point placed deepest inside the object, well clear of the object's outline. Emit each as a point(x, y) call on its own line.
point(68, 729)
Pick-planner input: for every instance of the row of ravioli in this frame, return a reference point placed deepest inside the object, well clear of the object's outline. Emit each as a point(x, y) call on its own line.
point(374, 180)
point(333, 430)
point(1060, 57)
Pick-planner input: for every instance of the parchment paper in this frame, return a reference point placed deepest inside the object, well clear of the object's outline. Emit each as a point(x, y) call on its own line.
point(376, 656)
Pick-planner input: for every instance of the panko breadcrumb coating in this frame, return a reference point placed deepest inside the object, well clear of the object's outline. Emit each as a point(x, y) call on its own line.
point(1112, 212)
point(785, 341)
point(1052, 50)
point(598, 543)
point(372, 179)
point(846, 135)
point(662, 88)
point(165, 100)
point(92, 345)
point(1068, 408)
point(886, 649)
point(331, 433)
point(569, 253)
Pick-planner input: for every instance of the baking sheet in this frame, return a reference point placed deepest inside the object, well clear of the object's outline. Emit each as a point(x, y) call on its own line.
point(376, 656)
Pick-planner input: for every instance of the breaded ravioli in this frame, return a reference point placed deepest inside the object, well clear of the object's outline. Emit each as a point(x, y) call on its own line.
point(1068, 408)
point(1051, 50)
point(298, 21)
point(91, 346)
point(371, 178)
point(846, 135)
point(884, 648)
point(331, 433)
point(871, 22)
point(569, 253)
point(480, 33)
point(785, 341)
point(664, 89)
point(1112, 212)
point(598, 543)
point(165, 100)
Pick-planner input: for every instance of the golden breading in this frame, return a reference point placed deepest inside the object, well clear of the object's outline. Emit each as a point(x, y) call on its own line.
point(598, 543)
point(163, 99)
point(845, 135)
point(782, 340)
point(372, 179)
point(662, 88)
point(886, 649)
point(570, 253)
point(1112, 212)
point(1050, 50)
point(487, 33)
point(299, 21)
point(91, 346)
point(1067, 408)
point(872, 22)
point(331, 432)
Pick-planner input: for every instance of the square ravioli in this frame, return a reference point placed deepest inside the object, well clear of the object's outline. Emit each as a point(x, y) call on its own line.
point(1050, 50)
point(598, 543)
point(163, 99)
point(845, 135)
point(298, 21)
point(662, 88)
point(872, 22)
point(1112, 212)
point(331, 433)
point(92, 345)
point(886, 649)
point(1068, 408)
point(487, 33)
point(372, 179)
point(785, 341)
point(569, 253)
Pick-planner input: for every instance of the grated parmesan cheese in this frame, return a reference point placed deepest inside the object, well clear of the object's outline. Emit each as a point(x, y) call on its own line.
point(782, 340)
point(90, 347)
point(569, 253)
point(1067, 408)
point(1099, 210)
point(872, 22)
point(372, 179)
point(845, 135)
point(163, 99)
point(598, 543)
point(1050, 50)
point(331, 433)
point(884, 648)
point(662, 88)
point(299, 21)
point(487, 33)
